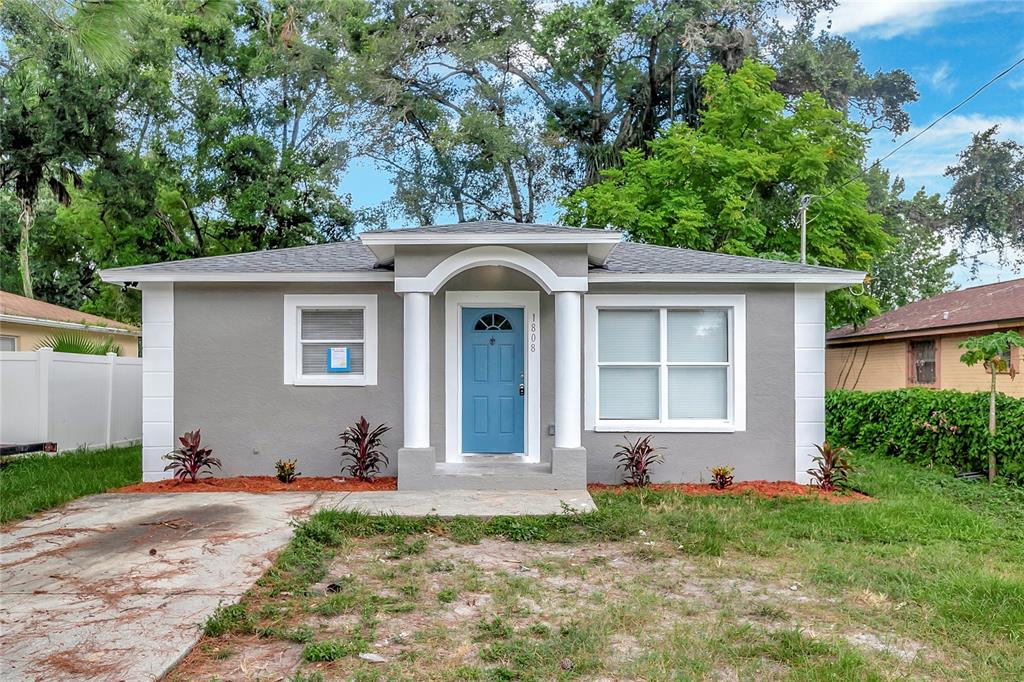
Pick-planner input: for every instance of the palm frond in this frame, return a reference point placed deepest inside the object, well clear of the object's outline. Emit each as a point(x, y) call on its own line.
point(78, 342)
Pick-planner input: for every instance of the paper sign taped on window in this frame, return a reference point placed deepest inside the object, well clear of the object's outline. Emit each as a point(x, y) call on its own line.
point(337, 359)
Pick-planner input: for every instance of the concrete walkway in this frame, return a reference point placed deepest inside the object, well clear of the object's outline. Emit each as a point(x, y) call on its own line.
point(116, 587)
point(464, 502)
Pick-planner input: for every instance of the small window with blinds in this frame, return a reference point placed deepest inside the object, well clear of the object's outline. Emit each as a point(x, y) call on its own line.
point(664, 367)
point(331, 329)
point(330, 340)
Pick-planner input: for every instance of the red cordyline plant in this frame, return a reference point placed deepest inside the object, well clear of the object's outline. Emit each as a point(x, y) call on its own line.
point(363, 446)
point(190, 459)
point(636, 459)
point(832, 469)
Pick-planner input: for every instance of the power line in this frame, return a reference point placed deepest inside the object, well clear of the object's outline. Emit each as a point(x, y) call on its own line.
point(929, 126)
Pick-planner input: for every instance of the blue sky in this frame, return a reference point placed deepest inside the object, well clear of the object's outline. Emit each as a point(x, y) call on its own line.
point(950, 47)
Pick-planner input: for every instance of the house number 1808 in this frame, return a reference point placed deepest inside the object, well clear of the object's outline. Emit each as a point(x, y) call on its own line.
point(533, 332)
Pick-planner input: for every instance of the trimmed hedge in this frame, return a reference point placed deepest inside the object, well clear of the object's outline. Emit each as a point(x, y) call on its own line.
point(925, 426)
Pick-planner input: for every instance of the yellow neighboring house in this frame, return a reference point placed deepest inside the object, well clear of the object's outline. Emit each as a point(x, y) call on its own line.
point(918, 344)
point(25, 323)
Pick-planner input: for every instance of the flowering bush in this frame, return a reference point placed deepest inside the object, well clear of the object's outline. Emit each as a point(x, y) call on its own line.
point(929, 427)
point(937, 422)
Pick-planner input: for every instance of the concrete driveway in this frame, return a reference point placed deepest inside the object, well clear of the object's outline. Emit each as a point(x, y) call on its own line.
point(116, 587)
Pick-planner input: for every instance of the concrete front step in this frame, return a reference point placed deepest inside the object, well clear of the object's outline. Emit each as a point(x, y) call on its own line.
point(495, 476)
point(418, 469)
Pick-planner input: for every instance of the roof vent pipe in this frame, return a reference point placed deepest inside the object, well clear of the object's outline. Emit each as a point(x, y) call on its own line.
point(945, 315)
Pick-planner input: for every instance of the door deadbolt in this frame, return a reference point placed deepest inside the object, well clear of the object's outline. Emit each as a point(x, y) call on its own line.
point(522, 389)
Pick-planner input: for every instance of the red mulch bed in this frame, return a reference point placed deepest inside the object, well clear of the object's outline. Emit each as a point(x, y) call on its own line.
point(262, 484)
point(755, 488)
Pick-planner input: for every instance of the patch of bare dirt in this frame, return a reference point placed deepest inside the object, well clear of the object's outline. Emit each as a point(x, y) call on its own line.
point(449, 591)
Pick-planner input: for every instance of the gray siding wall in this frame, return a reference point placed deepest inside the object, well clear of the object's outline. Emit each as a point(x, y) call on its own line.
point(229, 378)
point(228, 349)
point(766, 450)
point(567, 260)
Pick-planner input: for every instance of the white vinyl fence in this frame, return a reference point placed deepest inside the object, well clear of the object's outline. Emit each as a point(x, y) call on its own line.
point(73, 400)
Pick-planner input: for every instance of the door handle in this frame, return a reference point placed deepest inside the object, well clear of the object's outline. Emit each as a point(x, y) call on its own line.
point(522, 389)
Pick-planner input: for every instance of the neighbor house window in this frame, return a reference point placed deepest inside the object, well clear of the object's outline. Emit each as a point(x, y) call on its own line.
point(922, 362)
point(665, 362)
point(330, 340)
point(1007, 365)
point(8, 343)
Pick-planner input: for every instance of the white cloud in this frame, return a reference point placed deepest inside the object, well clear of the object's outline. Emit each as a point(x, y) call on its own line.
point(885, 18)
point(924, 160)
point(940, 78)
point(923, 163)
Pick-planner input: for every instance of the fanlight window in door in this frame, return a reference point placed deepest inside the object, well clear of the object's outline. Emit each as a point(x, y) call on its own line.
point(492, 321)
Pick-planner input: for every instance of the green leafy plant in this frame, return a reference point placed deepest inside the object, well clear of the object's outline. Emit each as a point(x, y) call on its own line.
point(636, 459)
point(189, 460)
point(892, 423)
point(363, 445)
point(991, 351)
point(78, 342)
point(832, 470)
point(721, 477)
point(286, 470)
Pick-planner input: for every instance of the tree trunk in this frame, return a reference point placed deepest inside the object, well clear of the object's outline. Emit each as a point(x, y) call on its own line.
point(513, 192)
point(992, 427)
point(27, 220)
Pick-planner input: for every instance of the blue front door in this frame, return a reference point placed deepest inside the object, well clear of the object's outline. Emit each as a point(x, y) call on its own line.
point(492, 374)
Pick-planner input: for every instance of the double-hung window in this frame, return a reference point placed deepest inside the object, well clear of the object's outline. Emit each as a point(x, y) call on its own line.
point(664, 363)
point(330, 340)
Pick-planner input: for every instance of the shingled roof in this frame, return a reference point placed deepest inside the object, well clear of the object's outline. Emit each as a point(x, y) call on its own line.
point(349, 256)
point(355, 257)
point(629, 257)
point(14, 306)
point(978, 305)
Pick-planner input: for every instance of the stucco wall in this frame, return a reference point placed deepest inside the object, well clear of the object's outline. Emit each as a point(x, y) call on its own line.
point(567, 260)
point(766, 449)
point(229, 378)
point(229, 381)
point(30, 336)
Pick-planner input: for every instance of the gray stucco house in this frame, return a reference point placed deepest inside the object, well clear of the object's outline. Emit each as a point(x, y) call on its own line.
point(503, 355)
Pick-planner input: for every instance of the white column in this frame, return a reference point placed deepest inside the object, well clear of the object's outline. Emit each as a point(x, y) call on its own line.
point(157, 378)
point(809, 385)
point(568, 333)
point(416, 369)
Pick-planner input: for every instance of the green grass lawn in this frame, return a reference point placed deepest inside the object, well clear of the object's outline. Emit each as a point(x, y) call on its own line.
point(36, 482)
point(927, 582)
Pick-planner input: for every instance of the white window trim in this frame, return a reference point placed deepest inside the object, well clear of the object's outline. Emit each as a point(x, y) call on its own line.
point(294, 304)
point(454, 302)
point(736, 307)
